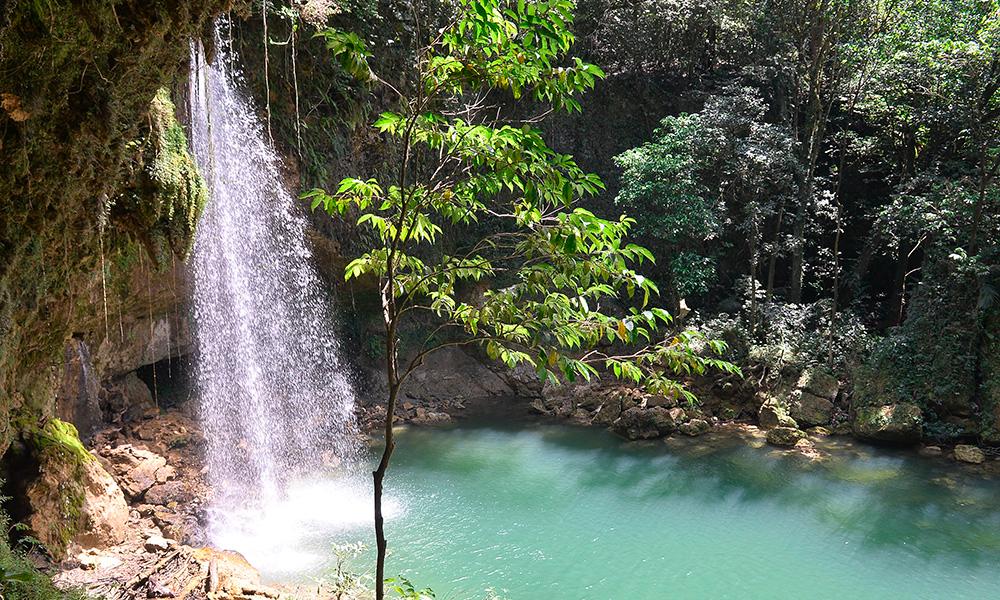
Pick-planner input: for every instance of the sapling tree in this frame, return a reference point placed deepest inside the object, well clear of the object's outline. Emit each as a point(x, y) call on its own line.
point(551, 268)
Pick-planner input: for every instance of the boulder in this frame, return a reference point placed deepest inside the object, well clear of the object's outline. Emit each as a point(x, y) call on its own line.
point(174, 525)
point(608, 412)
point(156, 543)
point(784, 436)
point(136, 469)
point(695, 427)
point(664, 401)
point(167, 493)
point(645, 423)
point(105, 512)
point(431, 418)
point(818, 382)
point(809, 409)
point(772, 414)
point(930, 451)
point(677, 414)
point(92, 559)
point(969, 454)
point(897, 423)
point(55, 496)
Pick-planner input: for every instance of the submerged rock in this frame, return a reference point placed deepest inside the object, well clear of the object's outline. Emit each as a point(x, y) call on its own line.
point(430, 418)
point(969, 454)
point(899, 423)
point(930, 451)
point(784, 436)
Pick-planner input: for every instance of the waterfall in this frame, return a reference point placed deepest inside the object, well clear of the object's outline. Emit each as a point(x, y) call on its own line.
point(276, 403)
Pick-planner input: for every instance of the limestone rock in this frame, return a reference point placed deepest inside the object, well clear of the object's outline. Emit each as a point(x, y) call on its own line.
point(93, 559)
point(174, 525)
point(166, 493)
point(145, 342)
point(74, 499)
point(784, 436)
point(695, 427)
point(105, 512)
point(430, 418)
point(57, 497)
point(819, 383)
point(969, 454)
point(664, 401)
point(539, 406)
point(809, 409)
point(930, 451)
point(156, 543)
point(608, 412)
point(77, 400)
point(645, 423)
point(452, 374)
point(126, 399)
point(135, 469)
point(772, 414)
point(899, 423)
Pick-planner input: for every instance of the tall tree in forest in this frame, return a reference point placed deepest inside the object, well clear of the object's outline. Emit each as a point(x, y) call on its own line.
point(814, 47)
point(554, 267)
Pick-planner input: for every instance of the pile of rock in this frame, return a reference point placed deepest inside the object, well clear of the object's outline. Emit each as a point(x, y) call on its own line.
point(628, 411)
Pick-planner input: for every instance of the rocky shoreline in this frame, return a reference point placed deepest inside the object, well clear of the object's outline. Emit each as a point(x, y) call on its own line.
point(147, 491)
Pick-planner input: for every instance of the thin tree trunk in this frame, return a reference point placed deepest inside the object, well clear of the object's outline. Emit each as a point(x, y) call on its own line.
point(836, 279)
point(773, 259)
point(378, 475)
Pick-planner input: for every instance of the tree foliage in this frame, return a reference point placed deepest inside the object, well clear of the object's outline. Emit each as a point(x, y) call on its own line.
point(552, 269)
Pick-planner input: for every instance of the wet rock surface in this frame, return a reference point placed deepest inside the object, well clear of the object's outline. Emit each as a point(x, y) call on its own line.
point(897, 423)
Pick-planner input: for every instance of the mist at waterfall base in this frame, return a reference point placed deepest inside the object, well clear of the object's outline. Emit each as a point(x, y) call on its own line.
point(275, 404)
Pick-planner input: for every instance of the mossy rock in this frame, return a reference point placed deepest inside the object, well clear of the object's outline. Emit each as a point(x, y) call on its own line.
point(56, 496)
point(897, 423)
point(784, 436)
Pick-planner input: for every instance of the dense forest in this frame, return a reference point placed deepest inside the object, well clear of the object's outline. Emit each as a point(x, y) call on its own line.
point(817, 181)
point(769, 224)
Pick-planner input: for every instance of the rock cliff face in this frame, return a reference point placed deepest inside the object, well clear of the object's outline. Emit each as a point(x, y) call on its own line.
point(95, 177)
point(100, 202)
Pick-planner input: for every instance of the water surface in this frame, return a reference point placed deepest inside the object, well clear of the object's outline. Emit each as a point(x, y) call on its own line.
point(548, 512)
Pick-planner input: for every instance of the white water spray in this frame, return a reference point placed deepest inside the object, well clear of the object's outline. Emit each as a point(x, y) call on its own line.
point(276, 405)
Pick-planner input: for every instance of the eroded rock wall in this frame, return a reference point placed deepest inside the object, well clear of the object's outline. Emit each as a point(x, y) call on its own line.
point(95, 187)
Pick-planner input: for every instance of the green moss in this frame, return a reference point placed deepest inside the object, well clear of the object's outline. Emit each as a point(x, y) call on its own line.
point(61, 458)
point(60, 436)
point(95, 172)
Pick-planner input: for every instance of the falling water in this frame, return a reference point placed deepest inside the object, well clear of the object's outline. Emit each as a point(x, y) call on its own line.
point(275, 402)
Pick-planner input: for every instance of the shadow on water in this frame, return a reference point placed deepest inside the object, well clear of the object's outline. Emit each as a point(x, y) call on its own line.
point(877, 497)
